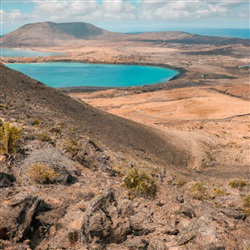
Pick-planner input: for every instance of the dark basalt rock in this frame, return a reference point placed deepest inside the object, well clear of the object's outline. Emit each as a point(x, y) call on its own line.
point(103, 223)
point(6, 180)
point(18, 219)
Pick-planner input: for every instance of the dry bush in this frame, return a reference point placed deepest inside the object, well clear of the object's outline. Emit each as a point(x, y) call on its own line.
point(9, 135)
point(42, 173)
point(140, 183)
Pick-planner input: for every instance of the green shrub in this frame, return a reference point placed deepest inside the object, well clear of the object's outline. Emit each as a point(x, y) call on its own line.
point(9, 134)
point(140, 183)
point(42, 173)
point(45, 137)
point(198, 187)
point(246, 205)
point(181, 182)
point(71, 146)
point(36, 122)
point(237, 184)
point(199, 192)
point(246, 201)
point(219, 191)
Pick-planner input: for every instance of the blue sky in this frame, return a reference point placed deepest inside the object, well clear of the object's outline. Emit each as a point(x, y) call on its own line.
point(128, 15)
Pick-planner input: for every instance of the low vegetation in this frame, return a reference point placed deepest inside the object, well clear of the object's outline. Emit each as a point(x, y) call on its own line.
point(9, 135)
point(181, 182)
point(246, 205)
point(218, 191)
point(36, 122)
point(140, 183)
point(71, 146)
point(237, 183)
point(198, 190)
point(45, 137)
point(42, 174)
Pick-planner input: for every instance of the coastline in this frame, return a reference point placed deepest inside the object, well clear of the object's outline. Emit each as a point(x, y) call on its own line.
point(143, 88)
point(181, 73)
point(197, 65)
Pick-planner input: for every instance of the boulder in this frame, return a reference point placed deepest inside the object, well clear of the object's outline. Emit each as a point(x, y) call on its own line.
point(18, 218)
point(6, 180)
point(103, 222)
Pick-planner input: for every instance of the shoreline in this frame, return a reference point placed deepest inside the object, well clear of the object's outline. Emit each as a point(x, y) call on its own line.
point(144, 88)
point(181, 73)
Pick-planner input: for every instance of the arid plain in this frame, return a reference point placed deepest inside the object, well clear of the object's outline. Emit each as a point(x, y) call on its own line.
point(208, 106)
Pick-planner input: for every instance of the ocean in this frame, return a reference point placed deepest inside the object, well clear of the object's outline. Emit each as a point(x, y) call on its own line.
point(233, 33)
point(236, 33)
point(9, 52)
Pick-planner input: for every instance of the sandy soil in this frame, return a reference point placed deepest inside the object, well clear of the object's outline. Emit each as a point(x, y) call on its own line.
point(214, 124)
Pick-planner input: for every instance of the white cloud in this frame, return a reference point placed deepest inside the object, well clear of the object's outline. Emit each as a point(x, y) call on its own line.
point(13, 16)
point(152, 10)
point(182, 10)
point(83, 10)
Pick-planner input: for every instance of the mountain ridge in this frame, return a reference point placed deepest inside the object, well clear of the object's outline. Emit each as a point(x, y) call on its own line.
point(50, 34)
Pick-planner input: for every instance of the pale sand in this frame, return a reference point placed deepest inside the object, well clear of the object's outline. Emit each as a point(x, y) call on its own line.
point(215, 125)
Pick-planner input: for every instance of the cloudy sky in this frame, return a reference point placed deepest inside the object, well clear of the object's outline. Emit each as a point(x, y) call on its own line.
point(128, 15)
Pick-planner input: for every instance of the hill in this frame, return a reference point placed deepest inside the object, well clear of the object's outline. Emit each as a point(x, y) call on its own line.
point(85, 151)
point(114, 132)
point(49, 34)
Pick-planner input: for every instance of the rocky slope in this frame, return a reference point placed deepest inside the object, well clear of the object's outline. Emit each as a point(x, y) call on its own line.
point(83, 202)
point(31, 99)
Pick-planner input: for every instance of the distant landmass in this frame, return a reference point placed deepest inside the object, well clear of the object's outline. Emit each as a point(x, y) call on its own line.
point(220, 32)
point(49, 34)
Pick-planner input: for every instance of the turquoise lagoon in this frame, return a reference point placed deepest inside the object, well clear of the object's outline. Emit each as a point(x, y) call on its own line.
point(7, 52)
point(70, 74)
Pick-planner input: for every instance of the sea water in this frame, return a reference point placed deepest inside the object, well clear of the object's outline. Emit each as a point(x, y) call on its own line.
point(69, 74)
point(231, 33)
point(8, 52)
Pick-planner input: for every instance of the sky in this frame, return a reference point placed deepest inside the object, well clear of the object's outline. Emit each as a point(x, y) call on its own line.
point(128, 15)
